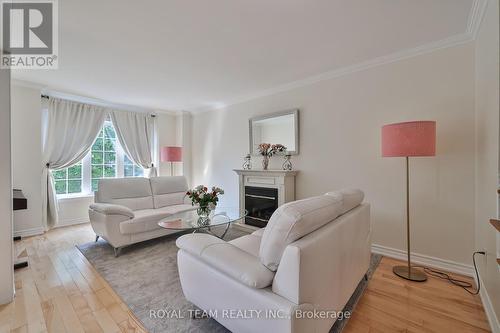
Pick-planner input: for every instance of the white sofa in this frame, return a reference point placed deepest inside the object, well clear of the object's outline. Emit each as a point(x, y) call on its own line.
point(127, 210)
point(310, 257)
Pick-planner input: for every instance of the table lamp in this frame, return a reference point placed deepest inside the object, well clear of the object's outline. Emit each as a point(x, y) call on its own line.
point(409, 139)
point(171, 154)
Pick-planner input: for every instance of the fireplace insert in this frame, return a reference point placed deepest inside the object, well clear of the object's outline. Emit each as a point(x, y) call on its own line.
point(260, 202)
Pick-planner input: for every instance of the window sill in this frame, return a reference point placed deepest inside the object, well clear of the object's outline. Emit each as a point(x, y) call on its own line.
point(68, 197)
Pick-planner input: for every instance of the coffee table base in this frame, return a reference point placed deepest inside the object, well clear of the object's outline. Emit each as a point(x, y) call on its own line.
point(208, 231)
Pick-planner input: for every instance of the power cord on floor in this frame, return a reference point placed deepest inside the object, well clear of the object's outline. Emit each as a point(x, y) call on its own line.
point(461, 283)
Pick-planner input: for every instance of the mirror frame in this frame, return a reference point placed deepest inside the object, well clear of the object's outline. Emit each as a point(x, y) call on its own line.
point(294, 112)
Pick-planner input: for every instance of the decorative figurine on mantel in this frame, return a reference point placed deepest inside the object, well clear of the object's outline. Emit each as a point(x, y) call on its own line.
point(248, 163)
point(287, 165)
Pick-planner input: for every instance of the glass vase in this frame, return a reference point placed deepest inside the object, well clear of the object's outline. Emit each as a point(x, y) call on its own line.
point(203, 211)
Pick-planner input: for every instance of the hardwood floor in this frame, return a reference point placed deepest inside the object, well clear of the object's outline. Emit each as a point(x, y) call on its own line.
point(61, 292)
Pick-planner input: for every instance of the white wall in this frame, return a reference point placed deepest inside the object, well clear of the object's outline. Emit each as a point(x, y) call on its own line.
point(487, 154)
point(340, 123)
point(27, 158)
point(6, 270)
point(184, 128)
point(167, 136)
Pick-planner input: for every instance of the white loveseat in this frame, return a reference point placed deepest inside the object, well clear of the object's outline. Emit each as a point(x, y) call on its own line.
point(306, 262)
point(127, 210)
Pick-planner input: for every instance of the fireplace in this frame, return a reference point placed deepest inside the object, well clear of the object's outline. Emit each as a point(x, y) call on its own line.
point(261, 192)
point(260, 202)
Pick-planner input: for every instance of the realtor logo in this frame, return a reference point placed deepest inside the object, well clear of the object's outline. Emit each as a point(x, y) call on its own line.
point(29, 34)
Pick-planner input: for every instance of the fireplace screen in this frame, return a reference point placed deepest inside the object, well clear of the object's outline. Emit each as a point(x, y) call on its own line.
point(260, 202)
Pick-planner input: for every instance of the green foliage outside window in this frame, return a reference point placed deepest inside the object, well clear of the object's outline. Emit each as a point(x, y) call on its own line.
point(68, 180)
point(103, 159)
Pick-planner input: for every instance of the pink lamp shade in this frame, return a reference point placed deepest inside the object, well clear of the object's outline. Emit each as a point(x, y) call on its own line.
point(413, 138)
point(171, 154)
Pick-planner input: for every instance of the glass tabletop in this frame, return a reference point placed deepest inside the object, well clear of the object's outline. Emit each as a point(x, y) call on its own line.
point(191, 220)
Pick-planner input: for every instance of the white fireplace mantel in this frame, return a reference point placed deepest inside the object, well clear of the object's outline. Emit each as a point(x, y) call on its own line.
point(282, 180)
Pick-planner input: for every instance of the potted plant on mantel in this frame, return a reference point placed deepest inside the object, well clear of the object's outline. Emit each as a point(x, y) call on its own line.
point(267, 150)
point(205, 200)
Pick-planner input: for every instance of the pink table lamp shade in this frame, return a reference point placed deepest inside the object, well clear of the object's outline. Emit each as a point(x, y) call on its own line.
point(171, 154)
point(413, 138)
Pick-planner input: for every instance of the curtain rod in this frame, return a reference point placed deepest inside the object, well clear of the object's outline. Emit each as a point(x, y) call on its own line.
point(152, 115)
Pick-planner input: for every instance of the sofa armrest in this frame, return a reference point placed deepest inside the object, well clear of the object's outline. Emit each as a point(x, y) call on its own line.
point(110, 209)
point(227, 258)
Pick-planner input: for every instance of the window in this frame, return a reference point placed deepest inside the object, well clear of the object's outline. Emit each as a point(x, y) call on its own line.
point(69, 180)
point(106, 159)
point(103, 160)
point(131, 170)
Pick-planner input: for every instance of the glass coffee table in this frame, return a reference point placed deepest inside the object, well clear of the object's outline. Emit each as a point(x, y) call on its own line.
point(191, 221)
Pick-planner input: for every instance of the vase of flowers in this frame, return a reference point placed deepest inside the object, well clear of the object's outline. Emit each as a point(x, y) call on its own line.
point(267, 150)
point(205, 200)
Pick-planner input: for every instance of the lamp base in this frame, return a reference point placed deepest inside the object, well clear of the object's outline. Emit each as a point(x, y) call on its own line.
point(413, 274)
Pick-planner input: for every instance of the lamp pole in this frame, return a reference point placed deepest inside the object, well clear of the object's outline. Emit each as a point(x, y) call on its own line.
point(407, 272)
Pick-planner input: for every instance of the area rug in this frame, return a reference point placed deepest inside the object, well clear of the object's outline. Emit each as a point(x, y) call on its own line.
point(145, 277)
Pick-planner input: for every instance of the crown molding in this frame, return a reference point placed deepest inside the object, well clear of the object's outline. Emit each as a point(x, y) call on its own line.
point(27, 84)
point(476, 15)
point(45, 90)
point(387, 59)
point(474, 21)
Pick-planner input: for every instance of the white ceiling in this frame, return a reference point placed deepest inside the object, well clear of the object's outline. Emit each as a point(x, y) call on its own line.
point(193, 55)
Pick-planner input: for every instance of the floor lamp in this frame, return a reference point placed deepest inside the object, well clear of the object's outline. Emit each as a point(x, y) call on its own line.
point(171, 154)
point(409, 139)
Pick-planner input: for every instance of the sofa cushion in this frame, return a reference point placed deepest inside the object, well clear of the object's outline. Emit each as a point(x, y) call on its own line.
point(294, 220)
point(110, 209)
point(351, 198)
point(227, 258)
point(147, 219)
point(249, 243)
point(134, 193)
point(168, 199)
point(168, 191)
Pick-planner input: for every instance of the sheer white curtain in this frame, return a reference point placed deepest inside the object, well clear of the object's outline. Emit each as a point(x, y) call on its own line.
point(135, 132)
point(71, 130)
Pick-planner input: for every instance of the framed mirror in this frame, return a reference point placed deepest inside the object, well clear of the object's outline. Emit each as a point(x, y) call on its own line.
point(280, 127)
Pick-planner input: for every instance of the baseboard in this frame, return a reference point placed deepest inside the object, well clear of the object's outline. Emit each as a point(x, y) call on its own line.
point(488, 308)
point(29, 232)
point(68, 222)
point(446, 265)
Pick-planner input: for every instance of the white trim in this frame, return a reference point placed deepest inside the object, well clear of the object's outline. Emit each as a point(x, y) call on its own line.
point(488, 308)
point(422, 259)
point(476, 15)
point(68, 222)
point(387, 59)
point(70, 197)
point(29, 232)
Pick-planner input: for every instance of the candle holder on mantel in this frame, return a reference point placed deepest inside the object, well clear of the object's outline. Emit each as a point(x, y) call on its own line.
point(287, 165)
point(248, 163)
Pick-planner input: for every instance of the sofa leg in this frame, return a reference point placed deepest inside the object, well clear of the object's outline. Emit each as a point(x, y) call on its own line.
point(117, 251)
point(96, 238)
point(366, 277)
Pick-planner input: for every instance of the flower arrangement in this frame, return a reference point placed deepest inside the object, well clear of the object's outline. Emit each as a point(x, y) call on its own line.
point(207, 200)
point(267, 150)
